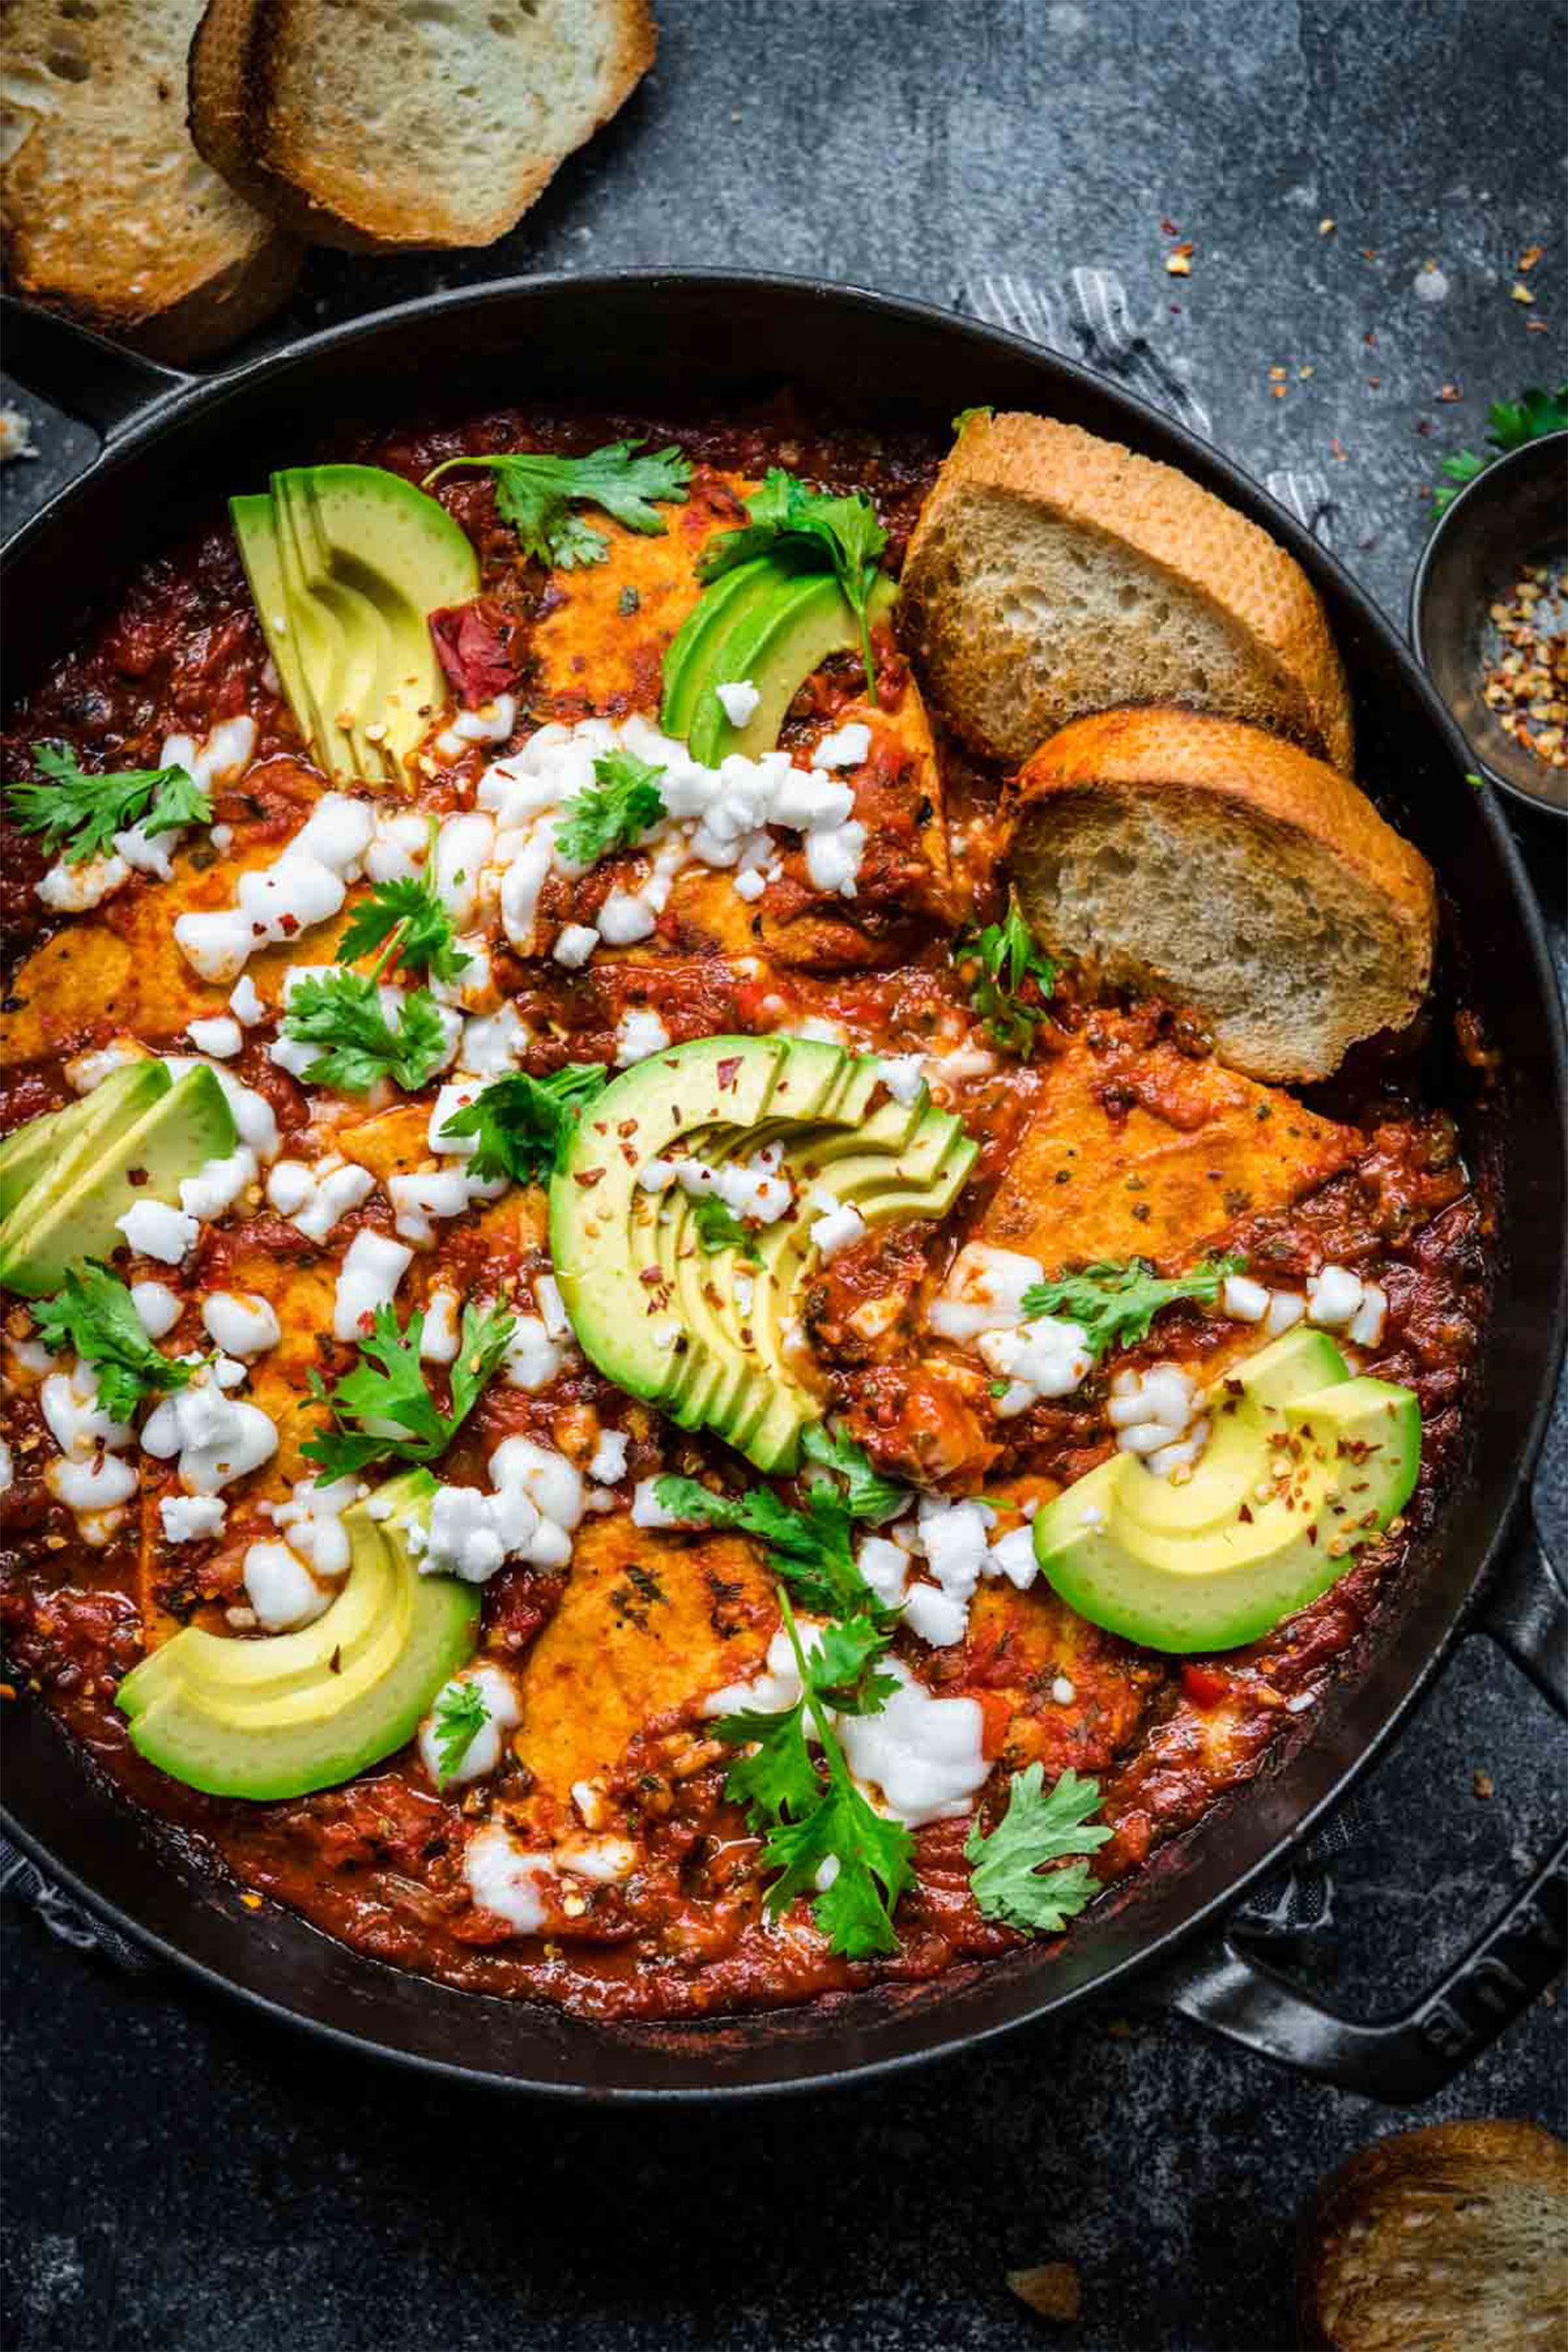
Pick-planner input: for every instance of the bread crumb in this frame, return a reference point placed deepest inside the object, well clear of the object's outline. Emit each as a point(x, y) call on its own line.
point(1483, 1784)
point(1530, 256)
point(1180, 263)
point(1521, 293)
point(251, 1902)
point(1327, 227)
point(1050, 2288)
point(16, 436)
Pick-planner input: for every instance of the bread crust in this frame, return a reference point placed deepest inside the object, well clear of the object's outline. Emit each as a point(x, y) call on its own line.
point(177, 275)
point(1277, 794)
point(1354, 2245)
point(1166, 521)
point(312, 180)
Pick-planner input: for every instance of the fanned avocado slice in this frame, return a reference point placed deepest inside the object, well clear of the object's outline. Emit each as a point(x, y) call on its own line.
point(777, 642)
point(351, 560)
point(708, 1335)
point(74, 1213)
point(688, 664)
point(279, 1716)
point(1303, 1465)
point(49, 1150)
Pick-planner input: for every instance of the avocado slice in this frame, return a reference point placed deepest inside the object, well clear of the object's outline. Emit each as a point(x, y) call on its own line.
point(706, 1335)
point(73, 1213)
point(777, 641)
point(688, 660)
point(53, 1145)
point(353, 559)
point(281, 1716)
point(1221, 1560)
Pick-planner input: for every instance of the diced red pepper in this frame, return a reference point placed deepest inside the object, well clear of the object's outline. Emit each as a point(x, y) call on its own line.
point(475, 646)
point(1203, 1685)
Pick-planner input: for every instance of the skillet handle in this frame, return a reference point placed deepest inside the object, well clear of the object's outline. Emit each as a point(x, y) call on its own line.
point(1408, 2057)
point(99, 383)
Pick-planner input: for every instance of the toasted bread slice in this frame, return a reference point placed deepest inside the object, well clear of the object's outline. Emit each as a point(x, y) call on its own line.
point(1453, 2238)
point(386, 127)
point(1051, 574)
point(1233, 873)
point(107, 210)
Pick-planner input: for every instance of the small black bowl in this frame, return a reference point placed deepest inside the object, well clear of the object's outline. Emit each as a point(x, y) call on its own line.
point(1514, 514)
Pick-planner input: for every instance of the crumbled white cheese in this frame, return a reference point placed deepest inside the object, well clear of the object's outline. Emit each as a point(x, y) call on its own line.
point(221, 1036)
point(192, 1518)
point(574, 945)
point(532, 1360)
point(158, 1309)
point(307, 885)
point(439, 1340)
point(1333, 1296)
point(75, 1420)
point(282, 1591)
point(984, 1292)
point(924, 1754)
point(72, 889)
point(646, 1509)
point(313, 1523)
point(1243, 1300)
point(850, 747)
point(551, 1306)
point(86, 1071)
point(1046, 1357)
point(1286, 1308)
point(1365, 1327)
point(218, 1184)
point(838, 1228)
point(609, 1462)
point(640, 1033)
point(935, 1616)
point(502, 1712)
point(245, 1001)
point(833, 859)
point(1155, 1414)
point(367, 1279)
point(156, 1230)
point(1012, 1556)
point(217, 1438)
point(903, 1075)
point(92, 1488)
point(416, 1199)
point(740, 701)
point(240, 1325)
point(317, 1199)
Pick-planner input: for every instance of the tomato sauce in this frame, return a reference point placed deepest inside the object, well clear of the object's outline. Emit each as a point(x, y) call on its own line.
point(377, 1863)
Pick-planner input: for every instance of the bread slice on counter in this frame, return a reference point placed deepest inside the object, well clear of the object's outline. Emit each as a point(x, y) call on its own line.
point(1051, 574)
point(106, 211)
point(384, 126)
point(1453, 2238)
point(1230, 873)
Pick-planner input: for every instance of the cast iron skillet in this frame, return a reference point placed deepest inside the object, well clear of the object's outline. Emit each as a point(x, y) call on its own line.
point(170, 445)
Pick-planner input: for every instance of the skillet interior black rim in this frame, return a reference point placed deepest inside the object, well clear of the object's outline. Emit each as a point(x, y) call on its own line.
point(937, 2030)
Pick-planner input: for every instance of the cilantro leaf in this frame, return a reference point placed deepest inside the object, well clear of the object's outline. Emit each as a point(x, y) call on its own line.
point(461, 1715)
point(808, 1819)
point(524, 1125)
point(342, 1012)
point(390, 1387)
point(1008, 958)
point(1115, 1303)
point(93, 1314)
point(809, 1549)
point(410, 908)
point(1038, 1828)
point(718, 1228)
point(536, 493)
point(615, 810)
point(1510, 423)
point(967, 416)
point(86, 811)
point(867, 1494)
point(838, 534)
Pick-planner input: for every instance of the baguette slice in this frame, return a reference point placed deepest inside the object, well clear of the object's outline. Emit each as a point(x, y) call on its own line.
point(1051, 574)
point(386, 127)
point(1453, 2238)
point(107, 210)
point(1231, 872)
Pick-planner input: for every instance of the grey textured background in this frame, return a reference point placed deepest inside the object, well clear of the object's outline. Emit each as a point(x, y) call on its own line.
point(178, 2179)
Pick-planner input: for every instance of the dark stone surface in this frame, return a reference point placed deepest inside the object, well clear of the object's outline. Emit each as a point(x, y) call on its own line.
point(179, 2179)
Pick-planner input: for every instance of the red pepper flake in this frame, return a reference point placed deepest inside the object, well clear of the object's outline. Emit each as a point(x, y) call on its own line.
point(1450, 392)
point(335, 1663)
point(1338, 449)
point(590, 1178)
point(1245, 1514)
point(727, 1072)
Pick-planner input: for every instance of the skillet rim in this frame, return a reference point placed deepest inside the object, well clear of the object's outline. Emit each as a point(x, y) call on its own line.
point(127, 446)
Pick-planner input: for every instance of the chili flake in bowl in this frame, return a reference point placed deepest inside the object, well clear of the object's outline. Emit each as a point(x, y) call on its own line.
point(1488, 618)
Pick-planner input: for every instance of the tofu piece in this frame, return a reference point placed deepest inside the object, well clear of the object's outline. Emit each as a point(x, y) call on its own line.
point(1139, 1151)
point(637, 1637)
